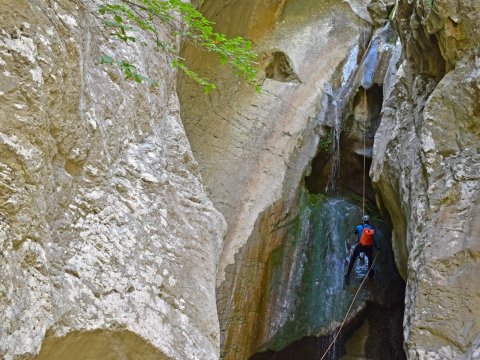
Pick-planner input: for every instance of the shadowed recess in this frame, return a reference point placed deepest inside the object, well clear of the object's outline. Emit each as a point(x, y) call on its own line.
point(94, 345)
point(280, 68)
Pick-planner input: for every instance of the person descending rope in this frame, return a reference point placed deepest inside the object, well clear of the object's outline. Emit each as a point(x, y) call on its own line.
point(365, 243)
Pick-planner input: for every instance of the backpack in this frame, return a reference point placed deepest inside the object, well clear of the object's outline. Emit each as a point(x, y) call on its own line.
point(366, 238)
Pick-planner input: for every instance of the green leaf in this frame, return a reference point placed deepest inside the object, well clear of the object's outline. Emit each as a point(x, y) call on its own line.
point(105, 59)
point(125, 18)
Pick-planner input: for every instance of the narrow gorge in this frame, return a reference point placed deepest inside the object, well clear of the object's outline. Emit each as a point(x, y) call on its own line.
point(166, 222)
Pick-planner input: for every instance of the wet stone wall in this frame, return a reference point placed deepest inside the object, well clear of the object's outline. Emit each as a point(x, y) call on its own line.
point(288, 291)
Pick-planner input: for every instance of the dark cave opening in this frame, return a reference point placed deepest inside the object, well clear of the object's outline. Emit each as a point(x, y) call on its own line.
point(280, 68)
point(365, 109)
point(377, 330)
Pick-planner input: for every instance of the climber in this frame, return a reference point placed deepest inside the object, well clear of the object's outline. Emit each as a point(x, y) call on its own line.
point(365, 243)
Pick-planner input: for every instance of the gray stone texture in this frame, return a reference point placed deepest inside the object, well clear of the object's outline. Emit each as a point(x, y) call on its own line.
point(109, 244)
point(108, 241)
point(426, 170)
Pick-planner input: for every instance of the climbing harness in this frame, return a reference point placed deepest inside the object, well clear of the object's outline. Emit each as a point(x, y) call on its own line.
point(350, 308)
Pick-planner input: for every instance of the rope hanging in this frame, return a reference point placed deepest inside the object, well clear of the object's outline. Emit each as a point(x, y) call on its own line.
point(364, 147)
point(364, 126)
point(350, 308)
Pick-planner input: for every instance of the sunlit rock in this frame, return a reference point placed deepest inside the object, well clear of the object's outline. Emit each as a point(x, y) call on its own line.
point(108, 241)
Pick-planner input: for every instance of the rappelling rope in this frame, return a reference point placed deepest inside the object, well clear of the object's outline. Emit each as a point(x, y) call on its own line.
point(364, 149)
point(363, 213)
point(350, 308)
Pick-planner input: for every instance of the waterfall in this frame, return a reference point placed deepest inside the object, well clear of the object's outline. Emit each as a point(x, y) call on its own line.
point(338, 103)
point(314, 268)
point(325, 230)
point(307, 296)
point(304, 298)
point(341, 98)
point(355, 74)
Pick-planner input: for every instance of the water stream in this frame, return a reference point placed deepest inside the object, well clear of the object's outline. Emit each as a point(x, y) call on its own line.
point(340, 98)
point(307, 294)
point(355, 74)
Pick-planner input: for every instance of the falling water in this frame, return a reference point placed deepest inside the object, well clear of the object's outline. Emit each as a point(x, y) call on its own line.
point(354, 73)
point(338, 110)
point(341, 97)
point(317, 252)
point(307, 295)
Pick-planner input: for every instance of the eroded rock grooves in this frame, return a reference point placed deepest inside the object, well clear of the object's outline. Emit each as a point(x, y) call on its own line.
point(413, 148)
point(426, 170)
point(286, 288)
point(108, 241)
point(111, 247)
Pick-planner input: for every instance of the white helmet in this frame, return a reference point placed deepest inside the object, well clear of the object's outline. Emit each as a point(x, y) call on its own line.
point(365, 218)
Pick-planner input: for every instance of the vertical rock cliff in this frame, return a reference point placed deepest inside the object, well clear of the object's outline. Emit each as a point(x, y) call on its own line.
point(253, 148)
point(426, 171)
point(111, 248)
point(280, 278)
point(108, 241)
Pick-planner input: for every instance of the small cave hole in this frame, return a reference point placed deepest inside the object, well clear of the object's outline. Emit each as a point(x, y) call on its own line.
point(281, 69)
point(453, 22)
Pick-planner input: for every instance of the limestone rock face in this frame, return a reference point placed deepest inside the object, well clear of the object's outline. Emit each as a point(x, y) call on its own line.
point(427, 172)
point(253, 148)
point(108, 241)
point(379, 10)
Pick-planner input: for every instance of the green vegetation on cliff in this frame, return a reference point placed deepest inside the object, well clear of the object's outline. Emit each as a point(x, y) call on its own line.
point(123, 19)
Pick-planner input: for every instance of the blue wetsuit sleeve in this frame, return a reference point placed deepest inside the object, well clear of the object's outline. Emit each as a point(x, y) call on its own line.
point(358, 231)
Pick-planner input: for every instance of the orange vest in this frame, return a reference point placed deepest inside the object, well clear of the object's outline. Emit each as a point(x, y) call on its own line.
point(367, 237)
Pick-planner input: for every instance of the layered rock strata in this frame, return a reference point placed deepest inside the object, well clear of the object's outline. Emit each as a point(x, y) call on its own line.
point(108, 241)
point(260, 148)
point(426, 171)
point(253, 148)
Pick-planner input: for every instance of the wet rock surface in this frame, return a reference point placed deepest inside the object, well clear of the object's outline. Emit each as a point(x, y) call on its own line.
point(289, 294)
point(252, 148)
point(261, 308)
point(110, 247)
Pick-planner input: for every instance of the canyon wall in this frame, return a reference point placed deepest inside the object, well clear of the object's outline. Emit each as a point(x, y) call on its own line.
point(426, 171)
point(253, 148)
point(108, 241)
point(424, 164)
point(110, 246)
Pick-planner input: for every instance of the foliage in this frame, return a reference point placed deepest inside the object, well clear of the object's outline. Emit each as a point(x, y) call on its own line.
point(314, 199)
point(325, 143)
point(124, 18)
point(346, 128)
